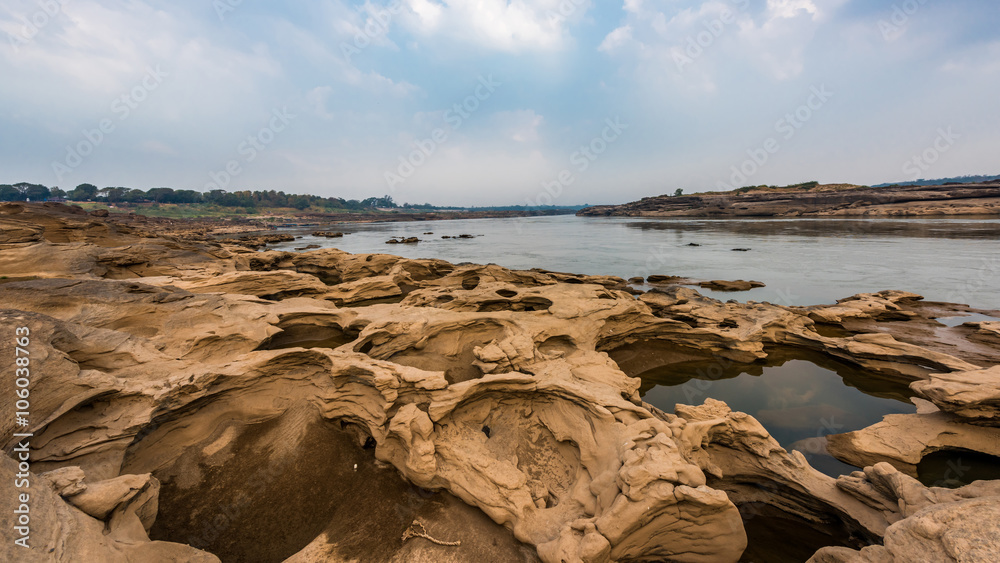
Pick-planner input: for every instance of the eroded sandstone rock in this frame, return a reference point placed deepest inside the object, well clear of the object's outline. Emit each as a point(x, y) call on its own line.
point(228, 392)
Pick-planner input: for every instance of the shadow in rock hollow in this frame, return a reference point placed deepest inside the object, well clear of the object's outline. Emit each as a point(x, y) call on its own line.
point(262, 492)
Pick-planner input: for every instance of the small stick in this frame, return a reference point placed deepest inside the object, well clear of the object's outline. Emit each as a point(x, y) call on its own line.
point(417, 530)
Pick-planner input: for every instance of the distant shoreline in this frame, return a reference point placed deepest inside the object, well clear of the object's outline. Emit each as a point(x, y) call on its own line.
point(816, 200)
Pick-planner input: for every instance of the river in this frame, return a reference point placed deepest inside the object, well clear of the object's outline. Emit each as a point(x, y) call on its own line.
point(802, 261)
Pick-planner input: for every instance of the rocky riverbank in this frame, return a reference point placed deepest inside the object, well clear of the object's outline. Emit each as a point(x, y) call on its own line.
point(200, 401)
point(817, 201)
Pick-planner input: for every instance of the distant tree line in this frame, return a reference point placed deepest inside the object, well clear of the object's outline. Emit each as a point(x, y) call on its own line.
point(250, 199)
point(24, 191)
point(970, 179)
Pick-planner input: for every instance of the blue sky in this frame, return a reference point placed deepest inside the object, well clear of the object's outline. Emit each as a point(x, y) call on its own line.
point(559, 101)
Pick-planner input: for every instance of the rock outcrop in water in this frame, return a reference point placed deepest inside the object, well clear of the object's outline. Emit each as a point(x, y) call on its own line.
point(817, 201)
point(196, 401)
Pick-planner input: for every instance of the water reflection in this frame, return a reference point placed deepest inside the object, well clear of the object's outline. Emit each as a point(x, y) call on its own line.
point(798, 401)
point(954, 468)
point(968, 318)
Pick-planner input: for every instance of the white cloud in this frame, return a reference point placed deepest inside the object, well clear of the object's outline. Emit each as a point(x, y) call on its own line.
point(100, 53)
point(429, 12)
point(634, 6)
point(316, 51)
point(316, 100)
point(696, 41)
point(981, 60)
point(498, 24)
point(791, 8)
point(616, 38)
point(520, 126)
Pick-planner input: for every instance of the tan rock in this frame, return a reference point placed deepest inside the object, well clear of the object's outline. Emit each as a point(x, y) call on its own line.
point(904, 439)
point(966, 531)
point(181, 379)
point(972, 395)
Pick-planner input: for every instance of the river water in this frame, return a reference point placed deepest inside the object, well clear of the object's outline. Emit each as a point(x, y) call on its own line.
point(802, 261)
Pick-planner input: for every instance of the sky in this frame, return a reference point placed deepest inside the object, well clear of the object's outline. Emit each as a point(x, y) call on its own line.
point(496, 102)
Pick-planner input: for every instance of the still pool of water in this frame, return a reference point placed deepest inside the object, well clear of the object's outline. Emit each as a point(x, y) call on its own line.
point(802, 261)
point(796, 400)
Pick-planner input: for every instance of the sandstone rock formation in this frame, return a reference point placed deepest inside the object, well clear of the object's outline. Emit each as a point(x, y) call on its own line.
point(972, 395)
point(818, 201)
point(280, 406)
point(964, 530)
point(717, 285)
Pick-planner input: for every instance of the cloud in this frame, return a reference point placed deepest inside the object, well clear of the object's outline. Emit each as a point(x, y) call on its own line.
point(791, 8)
point(520, 126)
point(316, 100)
point(616, 38)
point(500, 25)
point(700, 40)
point(977, 60)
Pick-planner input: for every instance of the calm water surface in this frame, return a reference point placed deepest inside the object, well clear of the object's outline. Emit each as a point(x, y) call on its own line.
point(802, 261)
point(796, 400)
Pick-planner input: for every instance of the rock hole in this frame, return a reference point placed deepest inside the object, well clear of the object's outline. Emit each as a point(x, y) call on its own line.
point(769, 529)
point(956, 467)
point(309, 336)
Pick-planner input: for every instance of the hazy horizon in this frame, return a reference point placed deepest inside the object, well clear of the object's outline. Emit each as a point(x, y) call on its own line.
point(432, 101)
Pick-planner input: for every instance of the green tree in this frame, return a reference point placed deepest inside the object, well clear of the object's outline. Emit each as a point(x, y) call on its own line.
point(678, 192)
point(10, 193)
point(161, 195)
point(33, 192)
point(115, 195)
point(83, 192)
point(37, 193)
